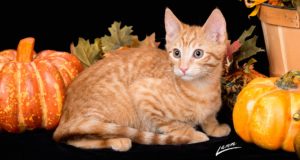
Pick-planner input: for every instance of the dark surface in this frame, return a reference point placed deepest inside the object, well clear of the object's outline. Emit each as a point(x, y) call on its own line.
point(56, 25)
point(38, 144)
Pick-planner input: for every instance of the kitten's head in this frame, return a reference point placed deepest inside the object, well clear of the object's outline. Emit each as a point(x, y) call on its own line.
point(196, 52)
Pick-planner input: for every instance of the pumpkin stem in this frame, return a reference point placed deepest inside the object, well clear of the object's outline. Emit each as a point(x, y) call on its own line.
point(296, 116)
point(25, 50)
point(286, 81)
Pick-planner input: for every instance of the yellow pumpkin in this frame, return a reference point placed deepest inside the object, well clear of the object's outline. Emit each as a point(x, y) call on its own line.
point(297, 144)
point(267, 111)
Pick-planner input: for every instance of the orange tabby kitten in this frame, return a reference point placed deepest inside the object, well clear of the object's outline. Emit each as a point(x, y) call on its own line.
point(150, 96)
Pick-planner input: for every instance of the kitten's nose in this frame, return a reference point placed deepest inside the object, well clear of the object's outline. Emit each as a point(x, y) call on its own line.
point(183, 70)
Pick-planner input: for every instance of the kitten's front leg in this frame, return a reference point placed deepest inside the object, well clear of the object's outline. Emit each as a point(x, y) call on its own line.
point(212, 127)
point(173, 127)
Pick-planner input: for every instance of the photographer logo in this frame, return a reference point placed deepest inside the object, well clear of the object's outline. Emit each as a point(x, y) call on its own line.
point(227, 147)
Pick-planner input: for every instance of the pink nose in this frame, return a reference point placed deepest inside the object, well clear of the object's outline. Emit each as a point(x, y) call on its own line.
point(183, 70)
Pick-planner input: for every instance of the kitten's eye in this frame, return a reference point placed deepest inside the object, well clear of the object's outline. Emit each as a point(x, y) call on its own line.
point(198, 53)
point(176, 53)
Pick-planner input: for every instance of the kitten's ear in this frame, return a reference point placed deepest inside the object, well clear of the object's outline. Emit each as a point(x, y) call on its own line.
point(215, 26)
point(172, 24)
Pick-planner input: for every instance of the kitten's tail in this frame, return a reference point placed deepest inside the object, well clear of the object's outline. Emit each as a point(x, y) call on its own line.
point(112, 130)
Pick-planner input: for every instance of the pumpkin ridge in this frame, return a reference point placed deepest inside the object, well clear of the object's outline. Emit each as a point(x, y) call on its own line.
point(6, 56)
point(41, 96)
point(288, 144)
point(68, 58)
point(59, 99)
point(288, 121)
point(52, 81)
point(8, 101)
point(68, 67)
point(20, 116)
point(31, 111)
point(59, 95)
point(61, 69)
point(253, 115)
point(256, 100)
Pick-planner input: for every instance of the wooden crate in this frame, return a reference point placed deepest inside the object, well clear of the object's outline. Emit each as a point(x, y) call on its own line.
point(281, 29)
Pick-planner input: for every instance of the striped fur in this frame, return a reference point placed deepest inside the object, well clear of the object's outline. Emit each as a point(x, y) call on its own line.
point(141, 94)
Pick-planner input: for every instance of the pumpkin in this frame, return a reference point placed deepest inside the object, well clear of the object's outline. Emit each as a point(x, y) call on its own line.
point(32, 86)
point(297, 144)
point(267, 111)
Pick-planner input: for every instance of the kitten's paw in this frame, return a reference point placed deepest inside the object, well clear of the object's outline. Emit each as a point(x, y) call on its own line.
point(221, 131)
point(120, 144)
point(199, 137)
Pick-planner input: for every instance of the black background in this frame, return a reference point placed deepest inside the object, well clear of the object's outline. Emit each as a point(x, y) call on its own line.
point(55, 25)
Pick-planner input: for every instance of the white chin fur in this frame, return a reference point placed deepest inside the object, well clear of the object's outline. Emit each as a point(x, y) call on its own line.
point(187, 78)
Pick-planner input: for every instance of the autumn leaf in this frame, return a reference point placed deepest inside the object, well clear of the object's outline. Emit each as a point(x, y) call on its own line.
point(232, 48)
point(235, 46)
point(134, 41)
point(241, 49)
point(246, 34)
point(86, 52)
point(248, 49)
point(249, 65)
point(149, 41)
point(119, 37)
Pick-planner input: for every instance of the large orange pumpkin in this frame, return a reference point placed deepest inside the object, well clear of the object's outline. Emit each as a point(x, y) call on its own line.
point(32, 86)
point(267, 111)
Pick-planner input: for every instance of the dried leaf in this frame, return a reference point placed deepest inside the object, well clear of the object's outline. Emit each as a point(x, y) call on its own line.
point(247, 50)
point(254, 12)
point(149, 41)
point(135, 41)
point(249, 65)
point(234, 47)
point(246, 34)
point(119, 37)
point(87, 53)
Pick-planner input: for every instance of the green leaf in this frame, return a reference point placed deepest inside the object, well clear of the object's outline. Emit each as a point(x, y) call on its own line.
point(246, 34)
point(247, 50)
point(86, 52)
point(119, 37)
